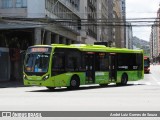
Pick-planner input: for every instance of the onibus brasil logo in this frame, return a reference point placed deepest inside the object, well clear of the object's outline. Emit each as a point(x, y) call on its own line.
point(21, 114)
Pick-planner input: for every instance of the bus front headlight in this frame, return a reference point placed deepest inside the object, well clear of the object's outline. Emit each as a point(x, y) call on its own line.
point(45, 77)
point(25, 77)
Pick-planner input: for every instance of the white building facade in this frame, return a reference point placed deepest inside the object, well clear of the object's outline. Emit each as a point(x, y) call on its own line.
point(66, 32)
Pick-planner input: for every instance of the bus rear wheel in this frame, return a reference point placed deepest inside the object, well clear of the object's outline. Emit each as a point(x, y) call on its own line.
point(124, 79)
point(51, 88)
point(74, 83)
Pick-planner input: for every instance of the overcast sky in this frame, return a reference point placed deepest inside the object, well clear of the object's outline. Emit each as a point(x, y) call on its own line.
point(142, 9)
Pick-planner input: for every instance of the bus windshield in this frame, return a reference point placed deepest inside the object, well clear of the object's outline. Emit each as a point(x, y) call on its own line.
point(37, 62)
point(146, 63)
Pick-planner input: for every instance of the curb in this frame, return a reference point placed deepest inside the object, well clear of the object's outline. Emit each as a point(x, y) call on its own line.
point(5, 84)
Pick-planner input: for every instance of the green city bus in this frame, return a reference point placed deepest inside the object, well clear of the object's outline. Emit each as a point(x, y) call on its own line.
point(70, 66)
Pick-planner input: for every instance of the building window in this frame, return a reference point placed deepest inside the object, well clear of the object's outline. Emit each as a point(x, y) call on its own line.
point(21, 3)
point(7, 3)
point(24, 3)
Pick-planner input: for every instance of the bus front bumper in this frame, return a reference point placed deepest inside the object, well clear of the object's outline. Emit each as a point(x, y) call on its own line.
point(38, 83)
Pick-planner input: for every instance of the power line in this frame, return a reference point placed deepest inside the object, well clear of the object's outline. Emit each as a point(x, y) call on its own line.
point(136, 22)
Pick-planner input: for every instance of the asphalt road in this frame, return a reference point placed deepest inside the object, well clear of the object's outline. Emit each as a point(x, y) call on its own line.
point(143, 95)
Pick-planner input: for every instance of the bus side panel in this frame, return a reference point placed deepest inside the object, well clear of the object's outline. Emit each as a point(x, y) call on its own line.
point(119, 75)
point(132, 75)
point(101, 77)
point(63, 80)
point(135, 75)
point(48, 83)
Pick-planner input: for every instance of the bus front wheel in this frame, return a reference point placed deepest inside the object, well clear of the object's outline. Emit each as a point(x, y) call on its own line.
point(74, 83)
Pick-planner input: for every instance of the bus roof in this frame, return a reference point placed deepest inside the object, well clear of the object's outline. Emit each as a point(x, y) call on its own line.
point(92, 48)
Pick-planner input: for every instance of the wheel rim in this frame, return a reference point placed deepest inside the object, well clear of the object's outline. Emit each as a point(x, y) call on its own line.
point(124, 80)
point(73, 83)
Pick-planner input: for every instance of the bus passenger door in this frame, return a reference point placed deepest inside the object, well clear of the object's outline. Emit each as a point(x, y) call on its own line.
point(112, 67)
point(90, 67)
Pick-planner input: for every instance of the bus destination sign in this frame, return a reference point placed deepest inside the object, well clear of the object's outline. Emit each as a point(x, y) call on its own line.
point(38, 49)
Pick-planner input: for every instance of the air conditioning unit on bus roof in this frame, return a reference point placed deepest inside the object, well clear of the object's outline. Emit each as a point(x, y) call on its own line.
point(78, 45)
point(58, 44)
point(88, 45)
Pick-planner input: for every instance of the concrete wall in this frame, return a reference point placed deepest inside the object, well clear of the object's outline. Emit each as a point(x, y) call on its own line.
point(36, 8)
point(14, 12)
point(61, 31)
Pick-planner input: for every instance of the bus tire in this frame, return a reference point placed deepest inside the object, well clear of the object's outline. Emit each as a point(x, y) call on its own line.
point(51, 88)
point(124, 79)
point(74, 83)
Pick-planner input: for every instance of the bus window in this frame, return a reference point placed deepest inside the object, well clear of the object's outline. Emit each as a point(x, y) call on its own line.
point(102, 62)
point(58, 62)
point(73, 60)
point(37, 62)
point(72, 63)
point(41, 63)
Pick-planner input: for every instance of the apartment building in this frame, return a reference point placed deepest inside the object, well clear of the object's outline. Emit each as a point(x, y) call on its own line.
point(110, 27)
point(154, 43)
point(102, 16)
point(68, 31)
point(91, 26)
point(27, 22)
point(123, 29)
point(158, 33)
point(68, 16)
point(94, 15)
point(119, 23)
point(155, 40)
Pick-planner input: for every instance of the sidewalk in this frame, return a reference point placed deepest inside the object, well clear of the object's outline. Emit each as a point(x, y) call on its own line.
point(7, 84)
